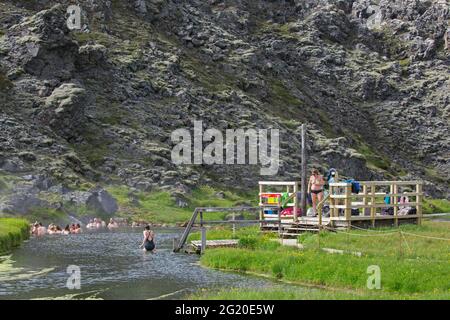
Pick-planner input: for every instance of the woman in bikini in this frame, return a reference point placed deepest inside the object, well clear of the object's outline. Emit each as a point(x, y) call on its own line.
point(149, 240)
point(315, 187)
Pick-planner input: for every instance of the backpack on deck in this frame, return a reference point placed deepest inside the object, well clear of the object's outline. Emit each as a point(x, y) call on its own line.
point(356, 187)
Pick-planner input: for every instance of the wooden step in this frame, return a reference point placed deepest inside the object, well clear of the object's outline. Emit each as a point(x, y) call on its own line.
point(289, 235)
point(302, 229)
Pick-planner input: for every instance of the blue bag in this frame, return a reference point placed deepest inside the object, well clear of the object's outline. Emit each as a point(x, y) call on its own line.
point(356, 187)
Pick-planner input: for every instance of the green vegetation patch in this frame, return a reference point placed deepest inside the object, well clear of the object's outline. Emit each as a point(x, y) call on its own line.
point(282, 96)
point(12, 233)
point(302, 293)
point(435, 175)
point(3, 184)
point(374, 159)
point(94, 148)
point(5, 83)
point(160, 206)
point(412, 266)
point(46, 215)
point(210, 78)
point(6, 182)
point(436, 206)
point(84, 38)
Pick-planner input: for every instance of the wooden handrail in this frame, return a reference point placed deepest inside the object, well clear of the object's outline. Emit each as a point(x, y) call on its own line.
point(187, 231)
point(202, 210)
point(319, 208)
point(371, 199)
point(278, 183)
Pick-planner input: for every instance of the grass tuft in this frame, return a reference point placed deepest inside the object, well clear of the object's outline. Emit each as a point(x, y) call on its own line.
point(12, 233)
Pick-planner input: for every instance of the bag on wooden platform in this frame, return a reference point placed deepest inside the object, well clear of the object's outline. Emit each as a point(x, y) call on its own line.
point(326, 211)
point(356, 187)
point(403, 211)
point(389, 211)
point(311, 212)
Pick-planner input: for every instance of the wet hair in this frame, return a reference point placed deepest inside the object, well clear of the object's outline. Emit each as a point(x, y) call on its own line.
point(67, 228)
point(58, 228)
point(78, 225)
point(147, 227)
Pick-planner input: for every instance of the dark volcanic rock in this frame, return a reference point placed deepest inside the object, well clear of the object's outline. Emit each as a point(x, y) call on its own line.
point(64, 110)
point(100, 104)
point(42, 46)
point(101, 201)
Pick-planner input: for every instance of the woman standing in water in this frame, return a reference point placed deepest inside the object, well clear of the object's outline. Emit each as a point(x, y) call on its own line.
point(149, 240)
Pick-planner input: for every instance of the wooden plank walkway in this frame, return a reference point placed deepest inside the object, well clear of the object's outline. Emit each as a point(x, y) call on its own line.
point(215, 243)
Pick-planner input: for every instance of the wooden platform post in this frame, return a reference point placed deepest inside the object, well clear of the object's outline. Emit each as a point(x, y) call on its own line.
point(304, 169)
point(234, 224)
point(419, 199)
point(372, 205)
point(332, 202)
point(203, 248)
point(279, 217)
point(296, 203)
point(348, 203)
point(365, 199)
point(201, 219)
point(394, 190)
point(261, 209)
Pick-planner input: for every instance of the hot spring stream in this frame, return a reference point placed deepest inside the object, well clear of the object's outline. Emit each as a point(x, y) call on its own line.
point(112, 267)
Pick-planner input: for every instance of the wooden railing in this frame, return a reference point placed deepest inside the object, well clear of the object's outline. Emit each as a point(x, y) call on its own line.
point(199, 212)
point(292, 189)
point(371, 200)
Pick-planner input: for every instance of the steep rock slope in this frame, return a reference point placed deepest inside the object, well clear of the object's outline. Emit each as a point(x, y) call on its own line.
point(98, 106)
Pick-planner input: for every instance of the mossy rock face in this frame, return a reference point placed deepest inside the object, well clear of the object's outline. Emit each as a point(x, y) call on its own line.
point(109, 93)
point(374, 158)
point(3, 184)
point(5, 83)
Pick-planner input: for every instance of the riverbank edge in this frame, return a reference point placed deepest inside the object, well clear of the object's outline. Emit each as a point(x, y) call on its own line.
point(360, 294)
point(311, 284)
point(206, 294)
point(346, 292)
point(13, 232)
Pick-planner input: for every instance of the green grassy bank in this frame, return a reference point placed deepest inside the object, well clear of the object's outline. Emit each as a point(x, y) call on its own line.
point(160, 207)
point(12, 233)
point(411, 266)
point(436, 206)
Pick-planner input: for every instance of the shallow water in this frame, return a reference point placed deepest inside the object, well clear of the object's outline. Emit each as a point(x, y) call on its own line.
point(112, 267)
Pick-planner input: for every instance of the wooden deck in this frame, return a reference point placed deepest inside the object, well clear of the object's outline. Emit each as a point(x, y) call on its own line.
point(370, 206)
point(365, 209)
point(197, 244)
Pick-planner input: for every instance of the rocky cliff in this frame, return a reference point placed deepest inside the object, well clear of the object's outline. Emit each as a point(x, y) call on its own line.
point(97, 106)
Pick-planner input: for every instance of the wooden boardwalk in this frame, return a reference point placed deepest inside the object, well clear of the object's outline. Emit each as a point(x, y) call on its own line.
point(215, 244)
